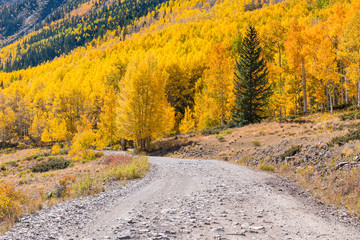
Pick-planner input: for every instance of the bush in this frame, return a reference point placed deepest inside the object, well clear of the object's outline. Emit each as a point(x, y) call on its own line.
point(87, 186)
point(291, 152)
point(118, 159)
point(55, 149)
point(212, 130)
point(10, 202)
point(353, 135)
point(256, 143)
point(136, 168)
point(51, 164)
point(266, 167)
point(220, 137)
point(350, 116)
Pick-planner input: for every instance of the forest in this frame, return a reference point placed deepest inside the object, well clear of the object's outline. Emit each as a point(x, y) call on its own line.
point(67, 28)
point(175, 73)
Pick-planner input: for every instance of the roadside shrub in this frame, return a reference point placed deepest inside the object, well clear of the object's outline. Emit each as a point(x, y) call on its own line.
point(266, 167)
point(118, 159)
point(51, 164)
point(291, 152)
point(131, 170)
point(62, 189)
point(87, 186)
point(10, 202)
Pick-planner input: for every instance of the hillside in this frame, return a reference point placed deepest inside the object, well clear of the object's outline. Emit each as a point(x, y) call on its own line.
point(39, 31)
point(184, 42)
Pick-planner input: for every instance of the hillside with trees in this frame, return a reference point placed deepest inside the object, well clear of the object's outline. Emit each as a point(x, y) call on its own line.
point(189, 48)
point(56, 27)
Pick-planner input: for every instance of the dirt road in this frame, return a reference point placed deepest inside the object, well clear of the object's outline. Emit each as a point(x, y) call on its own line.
point(194, 199)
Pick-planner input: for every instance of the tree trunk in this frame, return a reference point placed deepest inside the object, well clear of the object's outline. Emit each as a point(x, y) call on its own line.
point(304, 87)
point(342, 84)
point(346, 93)
point(295, 107)
point(330, 100)
point(299, 101)
point(333, 95)
point(358, 93)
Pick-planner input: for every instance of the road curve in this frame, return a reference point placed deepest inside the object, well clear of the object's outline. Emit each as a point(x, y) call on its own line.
point(198, 199)
point(194, 199)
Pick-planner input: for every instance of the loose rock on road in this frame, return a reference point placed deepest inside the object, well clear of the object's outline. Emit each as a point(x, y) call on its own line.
point(192, 199)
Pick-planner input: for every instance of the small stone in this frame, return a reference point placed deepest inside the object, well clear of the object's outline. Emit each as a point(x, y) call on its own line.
point(245, 225)
point(124, 237)
point(219, 229)
point(257, 228)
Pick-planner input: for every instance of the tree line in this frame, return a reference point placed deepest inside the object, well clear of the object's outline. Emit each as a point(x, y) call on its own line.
point(311, 52)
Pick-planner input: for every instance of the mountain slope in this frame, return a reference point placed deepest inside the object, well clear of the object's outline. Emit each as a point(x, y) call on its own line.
point(61, 26)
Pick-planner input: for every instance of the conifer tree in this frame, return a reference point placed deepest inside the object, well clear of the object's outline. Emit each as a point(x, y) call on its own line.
point(251, 87)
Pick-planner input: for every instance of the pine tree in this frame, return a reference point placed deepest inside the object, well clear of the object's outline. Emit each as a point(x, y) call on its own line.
point(251, 87)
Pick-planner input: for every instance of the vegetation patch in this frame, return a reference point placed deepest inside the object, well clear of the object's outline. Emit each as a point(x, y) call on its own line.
point(266, 167)
point(351, 136)
point(11, 202)
point(350, 116)
point(51, 164)
point(291, 152)
point(212, 130)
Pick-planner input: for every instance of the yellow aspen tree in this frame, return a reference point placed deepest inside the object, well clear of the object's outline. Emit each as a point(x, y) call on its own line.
point(187, 124)
point(107, 125)
point(351, 51)
point(217, 87)
point(142, 104)
point(297, 51)
point(7, 124)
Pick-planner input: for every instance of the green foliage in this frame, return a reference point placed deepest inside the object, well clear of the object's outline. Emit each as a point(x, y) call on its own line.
point(220, 137)
point(62, 37)
point(256, 143)
point(320, 4)
point(51, 164)
point(291, 152)
point(252, 89)
point(212, 130)
point(351, 136)
point(350, 116)
point(266, 167)
point(13, 163)
point(87, 186)
point(136, 168)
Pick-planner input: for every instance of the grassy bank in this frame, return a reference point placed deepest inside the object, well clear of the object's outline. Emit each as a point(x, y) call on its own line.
point(33, 179)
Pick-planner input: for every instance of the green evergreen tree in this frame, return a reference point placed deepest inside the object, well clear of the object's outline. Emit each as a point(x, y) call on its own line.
point(251, 86)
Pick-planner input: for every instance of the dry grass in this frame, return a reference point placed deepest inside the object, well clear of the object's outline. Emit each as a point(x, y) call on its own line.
point(48, 188)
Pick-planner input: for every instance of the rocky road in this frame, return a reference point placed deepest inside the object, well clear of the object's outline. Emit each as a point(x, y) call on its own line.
point(192, 199)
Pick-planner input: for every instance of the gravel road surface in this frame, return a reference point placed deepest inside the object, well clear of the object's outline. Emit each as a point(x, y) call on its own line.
point(192, 199)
